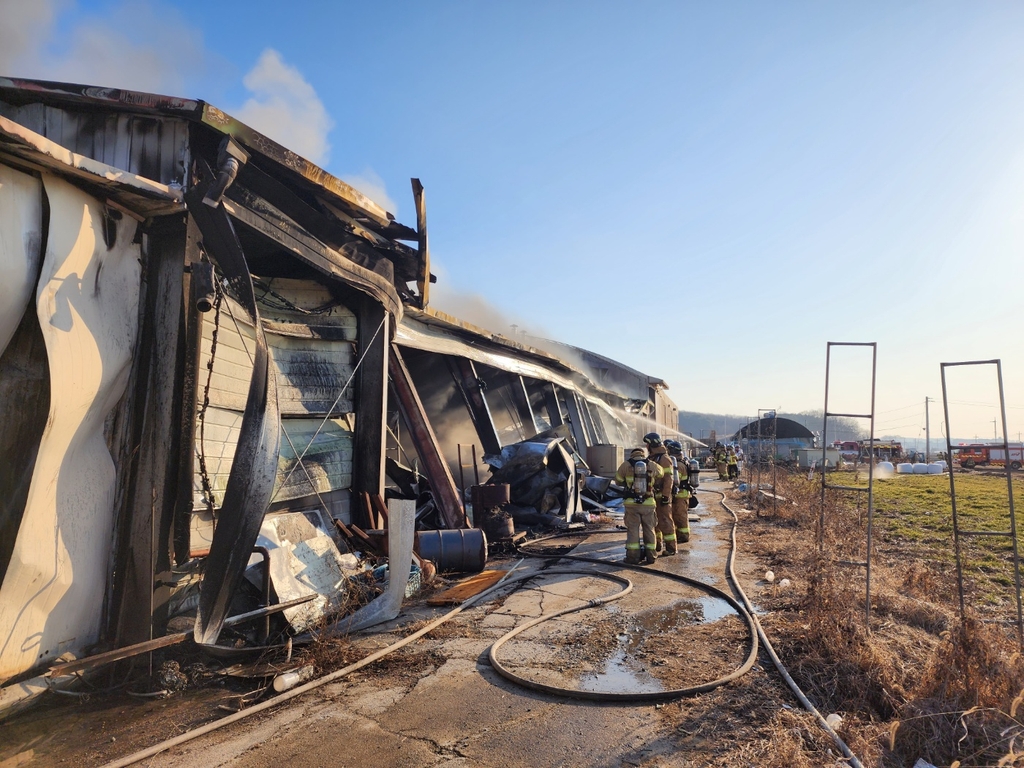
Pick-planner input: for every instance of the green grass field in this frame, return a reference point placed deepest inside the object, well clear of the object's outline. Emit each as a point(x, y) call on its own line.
point(915, 510)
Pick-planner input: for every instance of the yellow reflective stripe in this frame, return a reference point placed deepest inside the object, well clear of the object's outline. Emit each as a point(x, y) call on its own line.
point(633, 546)
point(670, 537)
point(651, 547)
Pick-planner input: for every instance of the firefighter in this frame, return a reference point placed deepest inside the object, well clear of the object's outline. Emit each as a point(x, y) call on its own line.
point(666, 531)
point(733, 462)
point(639, 476)
point(681, 493)
point(720, 462)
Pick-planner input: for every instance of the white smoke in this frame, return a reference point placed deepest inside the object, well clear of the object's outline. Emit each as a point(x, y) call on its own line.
point(372, 185)
point(150, 46)
point(285, 107)
point(25, 27)
point(138, 46)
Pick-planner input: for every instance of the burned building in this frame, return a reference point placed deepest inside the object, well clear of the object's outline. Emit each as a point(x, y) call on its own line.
point(206, 340)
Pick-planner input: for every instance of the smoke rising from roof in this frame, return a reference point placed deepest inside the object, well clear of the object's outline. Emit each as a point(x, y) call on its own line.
point(372, 185)
point(150, 46)
point(139, 46)
point(285, 107)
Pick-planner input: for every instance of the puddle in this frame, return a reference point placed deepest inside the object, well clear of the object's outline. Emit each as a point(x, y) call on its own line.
point(619, 676)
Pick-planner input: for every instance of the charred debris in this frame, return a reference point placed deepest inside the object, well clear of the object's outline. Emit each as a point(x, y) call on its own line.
point(226, 397)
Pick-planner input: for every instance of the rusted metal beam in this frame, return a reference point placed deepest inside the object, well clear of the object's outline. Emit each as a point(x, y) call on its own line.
point(471, 386)
point(423, 281)
point(591, 423)
point(551, 404)
point(579, 429)
point(521, 398)
point(435, 467)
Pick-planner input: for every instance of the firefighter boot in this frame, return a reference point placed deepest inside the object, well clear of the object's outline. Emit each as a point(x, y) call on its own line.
point(659, 543)
point(670, 545)
point(633, 556)
point(683, 534)
point(650, 556)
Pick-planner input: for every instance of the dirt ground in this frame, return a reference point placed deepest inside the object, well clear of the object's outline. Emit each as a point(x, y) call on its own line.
point(903, 691)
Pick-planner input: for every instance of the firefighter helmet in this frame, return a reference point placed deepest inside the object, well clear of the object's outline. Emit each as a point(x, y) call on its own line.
point(674, 447)
point(653, 439)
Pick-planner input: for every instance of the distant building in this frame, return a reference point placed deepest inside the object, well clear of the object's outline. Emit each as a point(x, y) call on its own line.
point(773, 437)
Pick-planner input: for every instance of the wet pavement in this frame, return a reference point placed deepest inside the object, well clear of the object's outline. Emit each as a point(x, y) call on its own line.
point(462, 713)
point(459, 712)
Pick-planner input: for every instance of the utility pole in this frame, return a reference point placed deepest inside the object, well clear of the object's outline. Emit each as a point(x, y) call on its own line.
point(994, 437)
point(927, 433)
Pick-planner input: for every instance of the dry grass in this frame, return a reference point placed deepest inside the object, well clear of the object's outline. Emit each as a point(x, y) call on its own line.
point(920, 683)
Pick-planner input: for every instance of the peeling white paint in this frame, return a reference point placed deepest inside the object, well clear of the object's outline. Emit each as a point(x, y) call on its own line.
point(21, 228)
point(87, 298)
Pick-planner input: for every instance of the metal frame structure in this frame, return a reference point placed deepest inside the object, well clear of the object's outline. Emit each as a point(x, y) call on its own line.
point(869, 489)
point(760, 456)
point(957, 531)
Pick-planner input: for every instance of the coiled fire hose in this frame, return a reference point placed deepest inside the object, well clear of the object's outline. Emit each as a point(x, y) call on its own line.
point(636, 696)
point(754, 628)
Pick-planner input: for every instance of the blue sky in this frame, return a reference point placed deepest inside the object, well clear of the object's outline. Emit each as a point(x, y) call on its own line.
point(706, 191)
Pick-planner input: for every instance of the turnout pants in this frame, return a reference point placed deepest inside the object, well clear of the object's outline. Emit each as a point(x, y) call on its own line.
point(639, 518)
point(667, 528)
point(722, 468)
point(681, 517)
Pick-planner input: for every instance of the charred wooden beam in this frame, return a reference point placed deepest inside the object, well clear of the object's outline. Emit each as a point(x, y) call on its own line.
point(423, 279)
point(189, 388)
point(145, 544)
point(472, 388)
point(271, 222)
point(435, 467)
point(334, 227)
point(371, 390)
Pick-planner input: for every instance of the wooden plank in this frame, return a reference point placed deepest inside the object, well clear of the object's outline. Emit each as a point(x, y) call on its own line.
point(382, 509)
point(464, 590)
point(137, 649)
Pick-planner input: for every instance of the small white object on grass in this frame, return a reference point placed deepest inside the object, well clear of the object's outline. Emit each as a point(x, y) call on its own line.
point(784, 583)
point(833, 720)
point(769, 576)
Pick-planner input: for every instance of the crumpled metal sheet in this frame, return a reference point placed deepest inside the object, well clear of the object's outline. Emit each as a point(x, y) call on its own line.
point(304, 560)
point(254, 469)
point(401, 535)
point(539, 473)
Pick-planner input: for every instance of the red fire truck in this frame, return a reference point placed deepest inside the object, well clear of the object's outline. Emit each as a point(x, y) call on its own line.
point(984, 454)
